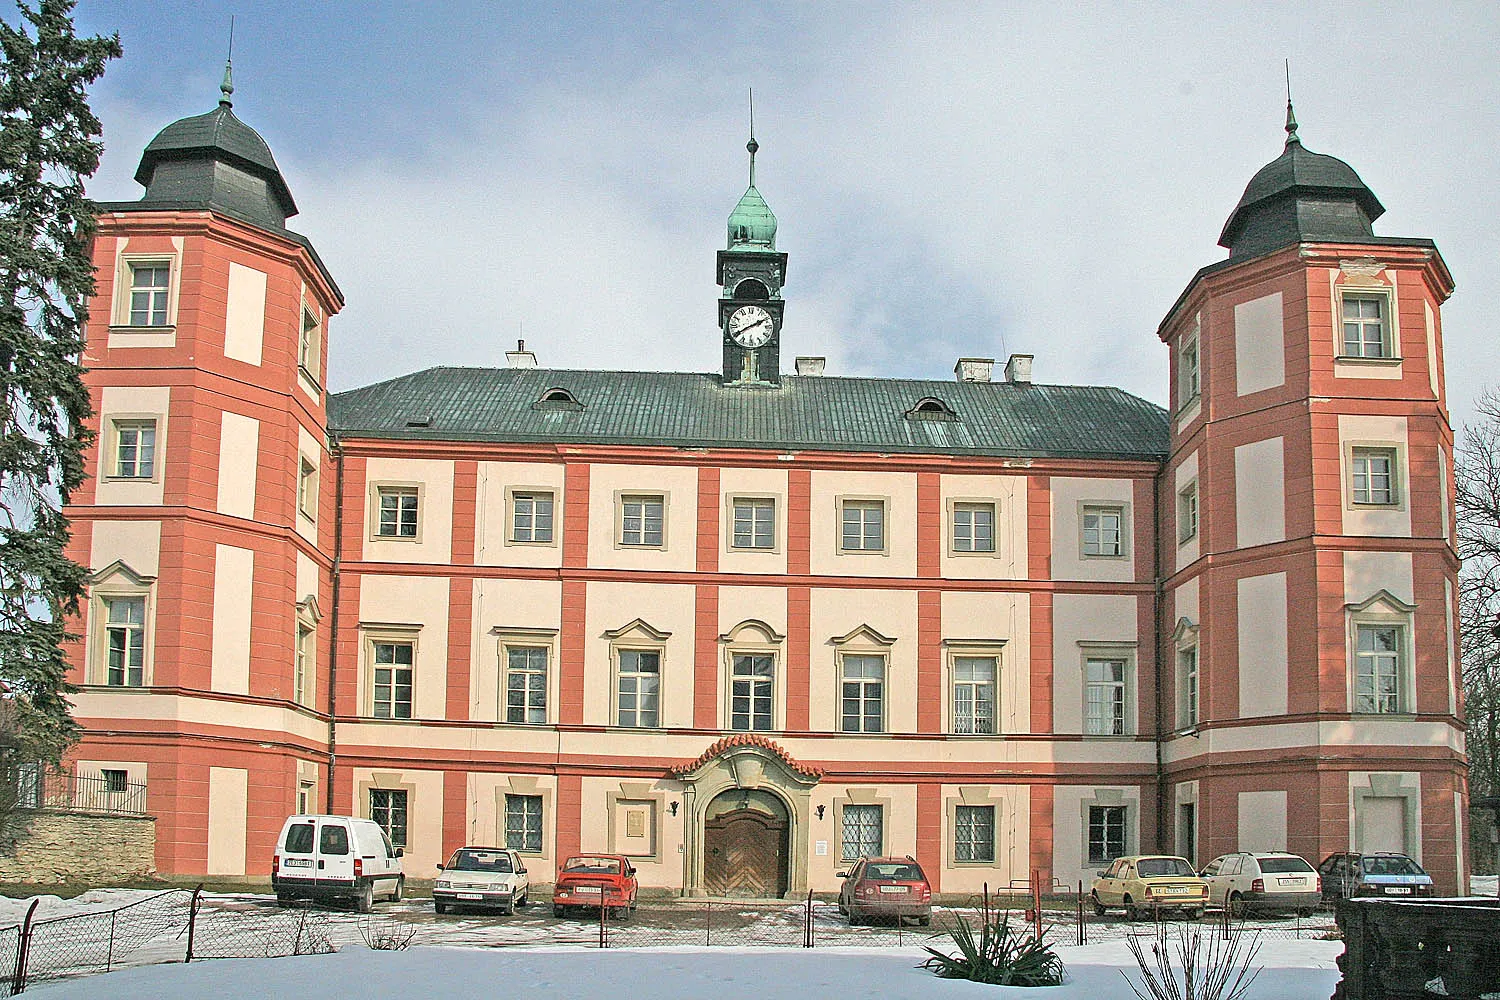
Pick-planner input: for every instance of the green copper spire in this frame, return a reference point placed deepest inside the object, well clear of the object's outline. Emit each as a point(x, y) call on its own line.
point(1291, 119)
point(752, 225)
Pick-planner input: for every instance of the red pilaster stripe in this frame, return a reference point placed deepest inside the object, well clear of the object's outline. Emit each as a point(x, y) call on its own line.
point(570, 652)
point(929, 525)
point(929, 661)
point(798, 521)
point(1041, 832)
point(1145, 529)
point(708, 519)
point(1039, 526)
point(354, 509)
point(460, 645)
point(930, 832)
point(1041, 664)
point(343, 791)
point(576, 514)
point(465, 489)
point(706, 656)
point(455, 811)
point(569, 815)
point(798, 658)
point(346, 692)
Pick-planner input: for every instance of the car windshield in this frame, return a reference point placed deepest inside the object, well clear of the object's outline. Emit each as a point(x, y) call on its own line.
point(1391, 865)
point(480, 861)
point(1157, 867)
point(1275, 866)
point(592, 866)
point(893, 871)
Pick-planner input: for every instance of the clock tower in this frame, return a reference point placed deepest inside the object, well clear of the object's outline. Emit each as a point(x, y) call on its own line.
point(751, 273)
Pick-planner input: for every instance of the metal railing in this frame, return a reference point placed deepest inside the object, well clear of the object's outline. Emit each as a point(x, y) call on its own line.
point(47, 788)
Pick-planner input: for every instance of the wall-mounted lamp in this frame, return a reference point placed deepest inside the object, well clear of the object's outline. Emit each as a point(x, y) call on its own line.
point(820, 811)
point(673, 806)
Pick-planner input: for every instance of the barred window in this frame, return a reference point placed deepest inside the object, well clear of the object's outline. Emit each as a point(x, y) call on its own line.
point(974, 833)
point(974, 694)
point(1106, 834)
point(388, 810)
point(523, 823)
point(863, 830)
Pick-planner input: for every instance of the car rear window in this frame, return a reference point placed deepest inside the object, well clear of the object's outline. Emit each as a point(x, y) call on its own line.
point(1390, 866)
point(593, 866)
point(895, 871)
point(480, 861)
point(1275, 866)
point(334, 840)
point(1157, 867)
point(299, 838)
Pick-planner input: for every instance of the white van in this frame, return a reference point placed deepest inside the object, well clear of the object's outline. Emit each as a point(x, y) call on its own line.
point(336, 859)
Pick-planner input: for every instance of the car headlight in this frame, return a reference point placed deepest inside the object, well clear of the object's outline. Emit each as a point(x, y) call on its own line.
point(441, 884)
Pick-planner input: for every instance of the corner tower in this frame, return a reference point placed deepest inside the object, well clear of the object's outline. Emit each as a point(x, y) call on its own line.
point(1309, 492)
point(751, 274)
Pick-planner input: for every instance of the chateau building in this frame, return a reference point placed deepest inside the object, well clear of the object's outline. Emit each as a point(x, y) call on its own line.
point(747, 625)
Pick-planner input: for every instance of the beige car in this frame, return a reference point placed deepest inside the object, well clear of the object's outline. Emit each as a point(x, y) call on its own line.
point(1143, 885)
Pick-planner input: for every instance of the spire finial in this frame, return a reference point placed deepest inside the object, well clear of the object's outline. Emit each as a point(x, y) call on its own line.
point(752, 145)
point(1291, 118)
point(226, 89)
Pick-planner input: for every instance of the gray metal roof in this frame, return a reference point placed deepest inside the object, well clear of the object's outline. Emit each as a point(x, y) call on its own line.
point(1300, 196)
point(682, 409)
point(217, 135)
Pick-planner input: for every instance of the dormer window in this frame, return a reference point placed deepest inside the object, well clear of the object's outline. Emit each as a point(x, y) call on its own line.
point(558, 398)
point(931, 408)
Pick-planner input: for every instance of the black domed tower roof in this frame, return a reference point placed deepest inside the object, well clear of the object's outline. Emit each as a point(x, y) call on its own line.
point(1300, 196)
point(216, 161)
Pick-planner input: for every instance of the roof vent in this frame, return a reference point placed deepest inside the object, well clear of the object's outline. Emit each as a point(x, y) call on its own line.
point(520, 357)
point(1018, 369)
point(811, 366)
point(420, 422)
point(973, 369)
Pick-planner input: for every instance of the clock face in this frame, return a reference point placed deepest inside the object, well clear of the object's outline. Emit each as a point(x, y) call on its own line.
point(750, 326)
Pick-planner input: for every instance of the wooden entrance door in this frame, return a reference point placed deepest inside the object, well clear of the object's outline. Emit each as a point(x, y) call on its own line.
point(745, 854)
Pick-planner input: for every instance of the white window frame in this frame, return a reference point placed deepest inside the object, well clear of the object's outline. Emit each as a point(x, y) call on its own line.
point(1189, 687)
point(1126, 660)
point(861, 659)
point(627, 499)
point(1190, 371)
point(373, 642)
point(752, 713)
point(108, 626)
point(1100, 508)
point(961, 650)
point(1123, 814)
point(304, 661)
point(531, 716)
point(966, 505)
point(622, 653)
point(515, 498)
point(1389, 331)
point(1393, 494)
point(1187, 513)
point(119, 425)
point(864, 503)
point(379, 491)
point(125, 312)
point(755, 504)
point(307, 488)
point(1400, 667)
point(310, 342)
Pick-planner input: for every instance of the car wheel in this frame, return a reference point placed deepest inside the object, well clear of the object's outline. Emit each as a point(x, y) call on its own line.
point(557, 911)
point(1099, 908)
point(924, 921)
point(842, 911)
point(440, 907)
point(525, 898)
point(1237, 906)
point(283, 899)
point(400, 888)
point(1193, 913)
point(365, 901)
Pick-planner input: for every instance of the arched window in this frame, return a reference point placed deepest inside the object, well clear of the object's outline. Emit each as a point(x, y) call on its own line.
point(752, 288)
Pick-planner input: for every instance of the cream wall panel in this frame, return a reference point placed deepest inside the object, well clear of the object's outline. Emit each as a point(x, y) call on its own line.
point(1368, 572)
point(135, 543)
point(131, 402)
point(1263, 645)
point(1185, 602)
point(506, 604)
point(492, 525)
point(679, 484)
point(487, 822)
point(245, 314)
point(1433, 360)
point(1012, 840)
point(1259, 345)
point(1070, 828)
point(899, 489)
point(410, 600)
point(892, 613)
point(1260, 493)
point(666, 608)
point(663, 870)
point(140, 703)
point(424, 813)
point(1358, 429)
point(234, 575)
point(434, 478)
point(1068, 562)
point(1007, 616)
point(1009, 561)
point(752, 482)
point(1187, 552)
point(1089, 618)
point(1262, 821)
point(239, 447)
point(228, 809)
point(307, 576)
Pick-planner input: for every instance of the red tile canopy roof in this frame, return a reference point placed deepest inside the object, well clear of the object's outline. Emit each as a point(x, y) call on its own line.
point(750, 740)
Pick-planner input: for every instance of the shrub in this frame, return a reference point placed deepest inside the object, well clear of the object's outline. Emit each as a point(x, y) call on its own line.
point(386, 935)
point(1218, 971)
point(998, 956)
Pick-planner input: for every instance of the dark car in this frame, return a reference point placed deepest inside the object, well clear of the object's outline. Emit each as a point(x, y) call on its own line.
point(1348, 875)
point(886, 887)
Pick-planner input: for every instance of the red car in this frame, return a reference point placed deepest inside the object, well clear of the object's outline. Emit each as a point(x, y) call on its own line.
point(591, 881)
point(886, 887)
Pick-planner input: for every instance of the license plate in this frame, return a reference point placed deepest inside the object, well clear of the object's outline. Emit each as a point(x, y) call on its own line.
point(470, 895)
point(582, 889)
point(296, 863)
point(1398, 890)
point(1289, 881)
point(893, 888)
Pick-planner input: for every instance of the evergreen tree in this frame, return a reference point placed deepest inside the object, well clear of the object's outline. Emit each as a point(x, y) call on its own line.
point(49, 143)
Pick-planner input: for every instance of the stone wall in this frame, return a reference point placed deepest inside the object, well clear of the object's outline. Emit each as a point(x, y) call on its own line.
point(43, 847)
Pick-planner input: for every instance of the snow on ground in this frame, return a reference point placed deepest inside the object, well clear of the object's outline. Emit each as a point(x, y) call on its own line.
point(1484, 885)
point(1292, 970)
point(13, 910)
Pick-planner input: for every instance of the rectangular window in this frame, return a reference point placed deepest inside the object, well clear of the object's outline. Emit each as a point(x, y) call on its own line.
point(863, 526)
point(974, 695)
point(1375, 476)
point(974, 833)
point(1365, 331)
point(307, 489)
point(149, 282)
point(125, 641)
point(863, 694)
point(863, 832)
point(973, 527)
point(754, 524)
point(308, 347)
point(1104, 694)
point(1187, 677)
point(302, 670)
point(1106, 834)
point(639, 693)
point(115, 781)
point(392, 687)
point(1190, 370)
point(1377, 673)
point(398, 512)
point(1102, 531)
point(751, 690)
point(531, 517)
point(135, 449)
point(523, 823)
point(526, 684)
point(304, 804)
point(1187, 513)
point(641, 519)
point(388, 810)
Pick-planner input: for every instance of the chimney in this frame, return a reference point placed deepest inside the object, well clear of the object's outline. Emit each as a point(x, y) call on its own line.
point(1018, 369)
point(811, 366)
point(973, 369)
point(520, 357)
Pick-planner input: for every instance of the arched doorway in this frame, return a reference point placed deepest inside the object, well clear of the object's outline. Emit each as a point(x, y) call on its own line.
point(745, 849)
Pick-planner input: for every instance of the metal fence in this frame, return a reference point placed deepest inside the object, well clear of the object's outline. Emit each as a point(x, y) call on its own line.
point(39, 787)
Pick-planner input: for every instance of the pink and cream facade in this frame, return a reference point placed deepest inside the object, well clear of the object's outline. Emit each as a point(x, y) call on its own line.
point(745, 626)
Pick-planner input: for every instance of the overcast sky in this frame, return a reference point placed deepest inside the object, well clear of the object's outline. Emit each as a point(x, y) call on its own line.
point(950, 179)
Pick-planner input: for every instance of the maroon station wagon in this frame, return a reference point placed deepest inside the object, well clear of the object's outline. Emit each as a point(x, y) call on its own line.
point(886, 887)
